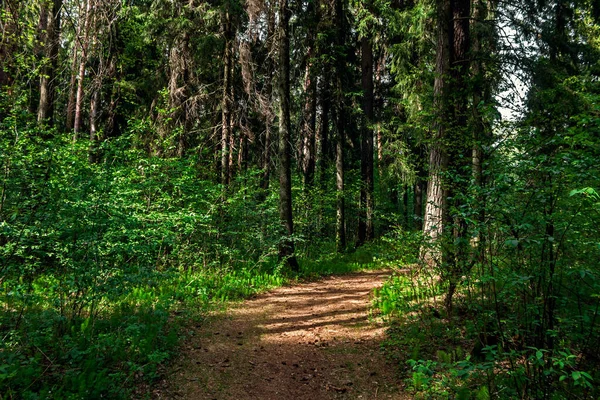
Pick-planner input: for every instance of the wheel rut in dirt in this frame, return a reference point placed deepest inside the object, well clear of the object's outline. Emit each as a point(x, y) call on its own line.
point(308, 341)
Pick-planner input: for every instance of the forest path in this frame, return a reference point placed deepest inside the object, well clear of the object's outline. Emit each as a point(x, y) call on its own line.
point(307, 341)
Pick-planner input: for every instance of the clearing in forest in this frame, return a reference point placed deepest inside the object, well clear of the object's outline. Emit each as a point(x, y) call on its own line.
point(308, 341)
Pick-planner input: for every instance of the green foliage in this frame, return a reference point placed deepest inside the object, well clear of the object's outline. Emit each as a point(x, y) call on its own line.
point(102, 264)
point(500, 335)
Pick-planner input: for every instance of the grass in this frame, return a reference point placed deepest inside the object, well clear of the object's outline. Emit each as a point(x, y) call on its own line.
point(461, 356)
point(103, 342)
point(51, 350)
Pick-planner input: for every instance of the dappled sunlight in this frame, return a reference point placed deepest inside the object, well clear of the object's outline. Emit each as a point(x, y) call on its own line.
point(312, 341)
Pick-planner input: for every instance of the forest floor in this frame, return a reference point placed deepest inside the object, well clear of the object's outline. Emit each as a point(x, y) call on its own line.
point(314, 341)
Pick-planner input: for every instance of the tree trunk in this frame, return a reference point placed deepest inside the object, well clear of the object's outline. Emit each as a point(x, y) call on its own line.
point(6, 48)
point(340, 127)
point(51, 45)
point(461, 144)
point(226, 101)
point(242, 153)
point(94, 104)
point(266, 164)
point(450, 146)
point(95, 85)
point(232, 144)
point(286, 245)
point(81, 74)
point(339, 175)
point(308, 134)
point(366, 208)
point(307, 147)
point(478, 124)
point(435, 207)
point(323, 131)
point(72, 88)
point(266, 104)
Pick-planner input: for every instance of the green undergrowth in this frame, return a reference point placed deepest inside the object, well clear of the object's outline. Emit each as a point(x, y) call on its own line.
point(103, 344)
point(441, 357)
point(485, 348)
point(331, 263)
point(103, 265)
point(103, 348)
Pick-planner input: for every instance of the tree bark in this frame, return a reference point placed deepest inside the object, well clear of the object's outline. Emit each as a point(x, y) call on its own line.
point(286, 245)
point(47, 80)
point(307, 147)
point(95, 82)
point(226, 101)
point(266, 103)
point(266, 163)
point(72, 89)
point(450, 146)
point(480, 129)
point(94, 105)
point(323, 131)
point(308, 136)
point(340, 121)
point(366, 208)
point(81, 74)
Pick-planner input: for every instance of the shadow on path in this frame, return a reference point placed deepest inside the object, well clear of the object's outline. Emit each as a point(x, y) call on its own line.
point(310, 341)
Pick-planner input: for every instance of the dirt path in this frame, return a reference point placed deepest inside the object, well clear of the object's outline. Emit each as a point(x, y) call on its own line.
point(310, 341)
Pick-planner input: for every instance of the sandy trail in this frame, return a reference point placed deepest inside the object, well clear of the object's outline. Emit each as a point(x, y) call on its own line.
point(308, 341)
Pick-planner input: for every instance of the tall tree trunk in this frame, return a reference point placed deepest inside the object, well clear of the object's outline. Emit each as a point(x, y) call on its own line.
point(225, 103)
point(450, 144)
point(435, 206)
point(365, 219)
point(308, 133)
point(226, 100)
point(81, 75)
point(340, 127)
point(6, 47)
point(74, 74)
point(461, 147)
point(51, 45)
point(378, 94)
point(72, 88)
point(339, 183)
point(480, 130)
point(286, 245)
point(266, 102)
point(307, 147)
point(95, 84)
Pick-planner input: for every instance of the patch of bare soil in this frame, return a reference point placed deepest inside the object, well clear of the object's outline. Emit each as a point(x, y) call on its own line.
point(308, 341)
